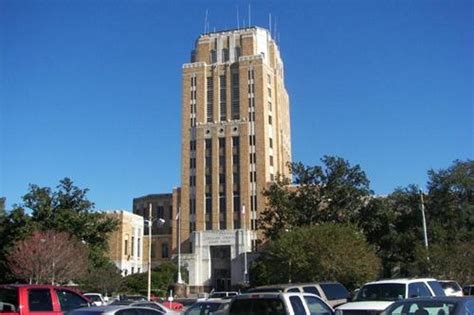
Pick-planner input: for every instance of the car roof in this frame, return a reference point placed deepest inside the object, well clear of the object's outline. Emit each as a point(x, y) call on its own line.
point(103, 309)
point(401, 280)
point(35, 286)
point(438, 298)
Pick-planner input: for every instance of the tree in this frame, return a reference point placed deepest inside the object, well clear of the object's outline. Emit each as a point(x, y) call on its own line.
point(105, 279)
point(65, 209)
point(324, 252)
point(48, 257)
point(393, 225)
point(161, 278)
point(15, 225)
point(450, 203)
point(334, 192)
point(450, 261)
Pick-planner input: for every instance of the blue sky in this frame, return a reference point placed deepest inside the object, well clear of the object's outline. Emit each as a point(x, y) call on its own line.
point(91, 89)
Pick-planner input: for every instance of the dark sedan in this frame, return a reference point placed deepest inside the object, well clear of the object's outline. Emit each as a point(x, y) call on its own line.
point(441, 305)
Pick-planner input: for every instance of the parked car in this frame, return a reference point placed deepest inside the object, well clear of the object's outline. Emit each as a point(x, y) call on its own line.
point(222, 294)
point(333, 293)
point(442, 305)
point(209, 306)
point(96, 299)
point(115, 310)
point(157, 306)
point(451, 288)
point(376, 296)
point(33, 299)
point(289, 303)
point(468, 290)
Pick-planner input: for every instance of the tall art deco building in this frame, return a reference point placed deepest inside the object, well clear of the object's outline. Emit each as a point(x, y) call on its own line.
point(235, 140)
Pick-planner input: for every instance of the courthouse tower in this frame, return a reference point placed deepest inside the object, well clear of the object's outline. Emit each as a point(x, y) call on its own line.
point(235, 140)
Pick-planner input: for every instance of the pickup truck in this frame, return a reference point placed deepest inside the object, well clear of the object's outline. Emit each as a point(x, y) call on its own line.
point(23, 299)
point(278, 304)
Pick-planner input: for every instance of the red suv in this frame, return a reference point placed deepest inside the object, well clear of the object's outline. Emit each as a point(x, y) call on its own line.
point(23, 299)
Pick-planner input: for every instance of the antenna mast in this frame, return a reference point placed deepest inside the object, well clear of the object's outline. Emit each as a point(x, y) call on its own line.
point(205, 21)
point(250, 12)
point(238, 22)
point(270, 23)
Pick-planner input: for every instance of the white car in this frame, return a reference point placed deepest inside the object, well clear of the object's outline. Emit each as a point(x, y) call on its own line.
point(376, 296)
point(96, 298)
point(451, 288)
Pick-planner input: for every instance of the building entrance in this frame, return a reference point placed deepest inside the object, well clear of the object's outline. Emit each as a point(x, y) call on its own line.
point(220, 268)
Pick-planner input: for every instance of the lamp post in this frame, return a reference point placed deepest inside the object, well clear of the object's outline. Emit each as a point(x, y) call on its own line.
point(178, 218)
point(425, 232)
point(161, 221)
point(244, 239)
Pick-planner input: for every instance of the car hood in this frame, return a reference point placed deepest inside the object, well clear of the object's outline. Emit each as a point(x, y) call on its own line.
point(365, 305)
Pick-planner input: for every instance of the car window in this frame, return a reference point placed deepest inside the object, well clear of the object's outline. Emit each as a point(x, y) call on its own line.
point(381, 292)
point(334, 291)
point(152, 305)
point(437, 288)
point(8, 300)
point(312, 290)
point(422, 307)
point(204, 308)
point(297, 304)
point(39, 300)
point(126, 311)
point(418, 289)
point(144, 311)
point(257, 307)
point(70, 300)
point(470, 308)
point(316, 306)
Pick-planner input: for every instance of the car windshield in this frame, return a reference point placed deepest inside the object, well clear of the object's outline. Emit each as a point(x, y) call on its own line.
point(422, 308)
point(334, 291)
point(381, 292)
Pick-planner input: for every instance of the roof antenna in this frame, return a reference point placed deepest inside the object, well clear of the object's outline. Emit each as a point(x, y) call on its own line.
point(276, 24)
point(250, 13)
point(238, 22)
point(205, 21)
point(270, 23)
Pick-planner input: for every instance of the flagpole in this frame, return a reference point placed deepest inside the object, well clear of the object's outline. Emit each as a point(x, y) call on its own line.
point(149, 250)
point(178, 218)
point(244, 238)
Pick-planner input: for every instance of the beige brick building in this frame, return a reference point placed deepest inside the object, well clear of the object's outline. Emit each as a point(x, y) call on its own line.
point(126, 243)
point(235, 139)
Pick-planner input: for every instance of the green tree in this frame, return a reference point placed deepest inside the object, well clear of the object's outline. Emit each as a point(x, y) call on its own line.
point(15, 225)
point(162, 277)
point(450, 203)
point(106, 279)
point(393, 225)
point(65, 209)
point(334, 192)
point(323, 252)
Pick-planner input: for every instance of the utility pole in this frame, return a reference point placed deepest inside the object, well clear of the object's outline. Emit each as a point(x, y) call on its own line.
point(149, 250)
point(425, 233)
point(244, 239)
point(178, 218)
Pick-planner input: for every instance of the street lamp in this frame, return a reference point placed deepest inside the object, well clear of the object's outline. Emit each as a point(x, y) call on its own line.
point(244, 239)
point(160, 222)
point(425, 232)
point(178, 218)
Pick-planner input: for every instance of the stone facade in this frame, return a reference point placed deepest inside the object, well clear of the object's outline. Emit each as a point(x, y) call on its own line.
point(126, 243)
point(235, 139)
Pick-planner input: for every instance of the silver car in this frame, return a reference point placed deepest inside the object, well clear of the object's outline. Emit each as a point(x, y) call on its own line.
point(115, 310)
